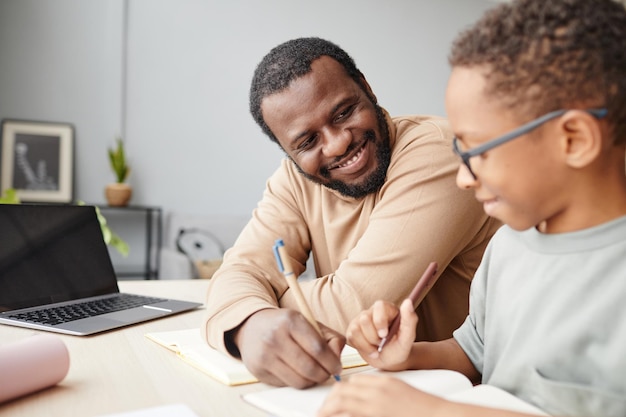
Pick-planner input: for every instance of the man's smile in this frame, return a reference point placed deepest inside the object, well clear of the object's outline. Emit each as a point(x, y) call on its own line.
point(351, 162)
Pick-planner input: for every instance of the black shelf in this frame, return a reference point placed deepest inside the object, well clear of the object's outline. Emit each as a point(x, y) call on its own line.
point(153, 237)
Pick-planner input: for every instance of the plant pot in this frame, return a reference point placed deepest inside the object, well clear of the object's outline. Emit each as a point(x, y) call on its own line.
point(118, 194)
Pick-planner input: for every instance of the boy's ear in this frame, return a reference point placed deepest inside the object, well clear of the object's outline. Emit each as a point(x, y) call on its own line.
point(582, 138)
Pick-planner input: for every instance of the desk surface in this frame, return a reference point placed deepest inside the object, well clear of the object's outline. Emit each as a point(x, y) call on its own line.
point(123, 371)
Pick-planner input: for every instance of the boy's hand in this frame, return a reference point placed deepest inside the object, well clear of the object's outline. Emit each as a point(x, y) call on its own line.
point(363, 395)
point(366, 331)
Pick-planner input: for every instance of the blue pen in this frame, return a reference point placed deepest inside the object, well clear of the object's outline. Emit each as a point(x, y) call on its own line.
point(292, 280)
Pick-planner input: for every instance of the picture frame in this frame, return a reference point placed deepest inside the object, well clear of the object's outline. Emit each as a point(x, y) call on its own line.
point(37, 160)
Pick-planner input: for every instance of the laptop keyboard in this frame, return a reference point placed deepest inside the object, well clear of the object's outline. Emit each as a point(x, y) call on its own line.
point(63, 314)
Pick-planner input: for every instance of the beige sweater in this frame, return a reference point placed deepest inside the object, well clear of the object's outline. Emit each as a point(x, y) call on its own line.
point(372, 248)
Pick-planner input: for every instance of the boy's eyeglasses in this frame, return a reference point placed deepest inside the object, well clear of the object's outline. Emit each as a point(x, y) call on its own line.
point(525, 128)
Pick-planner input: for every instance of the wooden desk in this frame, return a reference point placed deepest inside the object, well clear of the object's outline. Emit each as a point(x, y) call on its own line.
point(123, 371)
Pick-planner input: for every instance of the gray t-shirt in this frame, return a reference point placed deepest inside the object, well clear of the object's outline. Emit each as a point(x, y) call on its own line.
point(547, 319)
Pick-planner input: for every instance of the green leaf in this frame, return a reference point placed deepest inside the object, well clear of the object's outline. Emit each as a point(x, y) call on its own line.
point(9, 197)
point(117, 159)
point(110, 237)
point(119, 244)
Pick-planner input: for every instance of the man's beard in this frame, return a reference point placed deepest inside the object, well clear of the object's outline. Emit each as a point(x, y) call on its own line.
point(376, 180)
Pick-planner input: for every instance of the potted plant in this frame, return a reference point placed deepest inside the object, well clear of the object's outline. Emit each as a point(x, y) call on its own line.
point(118, 193)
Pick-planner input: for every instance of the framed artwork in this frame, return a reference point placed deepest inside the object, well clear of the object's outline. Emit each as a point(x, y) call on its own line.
point(38, 160)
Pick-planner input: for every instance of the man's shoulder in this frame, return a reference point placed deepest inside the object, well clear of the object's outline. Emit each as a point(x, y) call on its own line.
point(418, 126)
point(420, 118)
point(423, 121)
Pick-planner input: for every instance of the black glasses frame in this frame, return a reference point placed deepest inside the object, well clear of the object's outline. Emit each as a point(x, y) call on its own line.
point(525, 128)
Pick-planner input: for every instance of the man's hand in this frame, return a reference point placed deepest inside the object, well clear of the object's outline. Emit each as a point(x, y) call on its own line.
point(280, 347)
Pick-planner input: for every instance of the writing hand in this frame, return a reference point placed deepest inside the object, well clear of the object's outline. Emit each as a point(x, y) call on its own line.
point(280, 347)
point(374, 395)
point(367, 330)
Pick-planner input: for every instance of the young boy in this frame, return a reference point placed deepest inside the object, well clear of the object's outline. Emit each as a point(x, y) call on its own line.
point(547, 321)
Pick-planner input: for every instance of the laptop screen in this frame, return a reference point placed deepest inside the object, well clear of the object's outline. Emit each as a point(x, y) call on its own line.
point(51, 253)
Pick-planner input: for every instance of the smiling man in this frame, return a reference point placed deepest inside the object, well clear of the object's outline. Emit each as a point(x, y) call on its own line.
point(355, 161)
point(371, 198)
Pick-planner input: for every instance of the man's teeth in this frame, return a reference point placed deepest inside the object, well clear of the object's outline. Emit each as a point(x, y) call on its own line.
point(351, 160)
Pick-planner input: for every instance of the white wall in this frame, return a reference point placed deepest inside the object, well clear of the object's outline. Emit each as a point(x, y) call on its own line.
point(191, 141)
point(195, 146)
point(60, 61)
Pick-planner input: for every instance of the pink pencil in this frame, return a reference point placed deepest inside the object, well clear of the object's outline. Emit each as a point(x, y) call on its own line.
point(417, 295)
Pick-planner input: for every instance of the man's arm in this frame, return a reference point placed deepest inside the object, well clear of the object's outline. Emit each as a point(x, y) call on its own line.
point(243, 316)
point(249, 280)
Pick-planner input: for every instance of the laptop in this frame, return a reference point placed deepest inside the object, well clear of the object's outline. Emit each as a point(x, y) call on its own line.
point(56, 274)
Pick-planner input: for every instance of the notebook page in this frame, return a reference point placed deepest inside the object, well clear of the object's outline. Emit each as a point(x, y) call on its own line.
point(292, 402)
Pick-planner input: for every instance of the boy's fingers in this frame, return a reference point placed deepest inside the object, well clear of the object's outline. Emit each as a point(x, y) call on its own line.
point(408, 321)
point(383, 314)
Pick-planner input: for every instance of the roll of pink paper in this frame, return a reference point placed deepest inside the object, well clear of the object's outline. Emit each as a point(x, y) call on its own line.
point(31, 364)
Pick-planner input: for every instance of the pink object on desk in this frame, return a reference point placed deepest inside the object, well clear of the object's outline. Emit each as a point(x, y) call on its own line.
point(31, 364)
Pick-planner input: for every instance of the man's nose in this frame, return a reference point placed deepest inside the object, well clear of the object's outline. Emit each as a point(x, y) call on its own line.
point(336, 142)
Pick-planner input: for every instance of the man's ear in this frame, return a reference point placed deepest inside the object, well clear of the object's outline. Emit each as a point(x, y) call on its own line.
point(582, 138)
point(368, 89)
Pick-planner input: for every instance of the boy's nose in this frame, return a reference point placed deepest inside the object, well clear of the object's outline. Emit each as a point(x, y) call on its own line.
point(464, 178)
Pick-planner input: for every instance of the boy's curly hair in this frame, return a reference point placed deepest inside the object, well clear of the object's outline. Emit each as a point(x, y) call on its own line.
point(543, 55)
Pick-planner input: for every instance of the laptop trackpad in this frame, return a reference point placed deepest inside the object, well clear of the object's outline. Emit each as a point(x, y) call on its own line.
point(136, 314)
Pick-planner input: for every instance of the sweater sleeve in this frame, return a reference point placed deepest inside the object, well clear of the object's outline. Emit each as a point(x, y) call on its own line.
point(248, 279)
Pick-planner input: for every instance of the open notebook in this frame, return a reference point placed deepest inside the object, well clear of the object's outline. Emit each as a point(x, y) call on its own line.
point(190, 347)
point(292, 402)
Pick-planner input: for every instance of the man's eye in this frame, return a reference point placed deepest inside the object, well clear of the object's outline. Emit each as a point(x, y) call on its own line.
point(307, 143)
point(345, 113)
